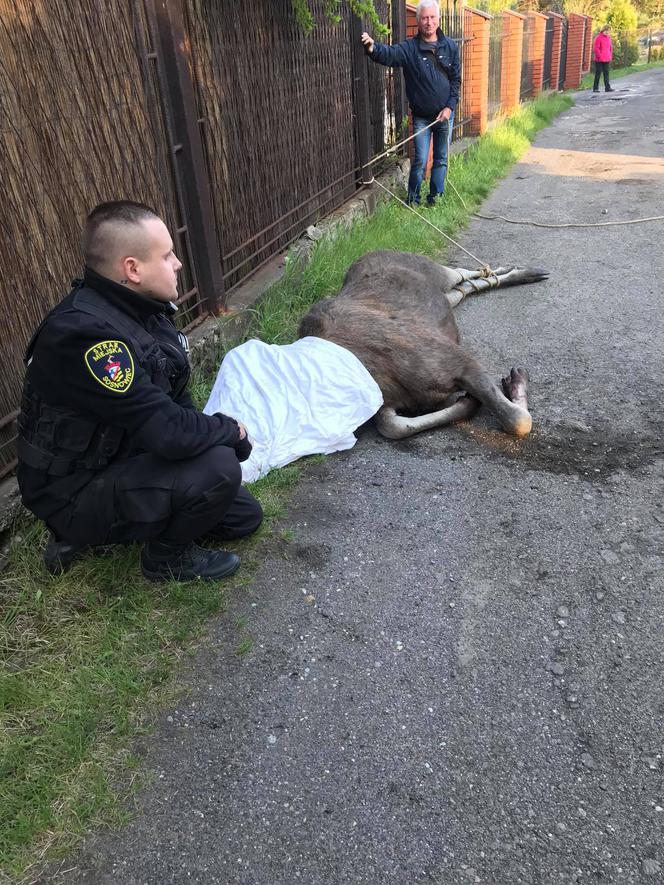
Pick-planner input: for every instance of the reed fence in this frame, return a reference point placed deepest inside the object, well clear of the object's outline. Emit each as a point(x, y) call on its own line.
point(76, 130)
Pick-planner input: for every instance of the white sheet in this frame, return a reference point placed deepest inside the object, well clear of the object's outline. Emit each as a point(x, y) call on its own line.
point(295, 399)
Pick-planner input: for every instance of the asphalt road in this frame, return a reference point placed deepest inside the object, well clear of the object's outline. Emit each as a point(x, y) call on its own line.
point(458, 665)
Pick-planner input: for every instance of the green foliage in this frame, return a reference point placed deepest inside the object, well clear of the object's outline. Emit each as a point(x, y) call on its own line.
point(361, 8)
point(650, 11)
point(622, 15)
point(625, 50)
point(493, 7)
point(594, 8)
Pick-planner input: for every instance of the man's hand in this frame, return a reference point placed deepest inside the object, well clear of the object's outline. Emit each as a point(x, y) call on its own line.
point(444, 115)
point(243, 448)
point(367, 42)
point(243, 445)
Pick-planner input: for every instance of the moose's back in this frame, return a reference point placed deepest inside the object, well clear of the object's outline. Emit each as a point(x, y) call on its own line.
point(392, 313)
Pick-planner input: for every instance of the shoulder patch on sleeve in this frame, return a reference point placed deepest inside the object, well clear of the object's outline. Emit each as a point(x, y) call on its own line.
point(111, 364)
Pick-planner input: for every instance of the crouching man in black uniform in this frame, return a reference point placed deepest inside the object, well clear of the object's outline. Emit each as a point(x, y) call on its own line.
point(111, 448)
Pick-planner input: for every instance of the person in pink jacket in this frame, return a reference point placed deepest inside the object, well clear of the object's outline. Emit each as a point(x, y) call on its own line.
point(602, 53)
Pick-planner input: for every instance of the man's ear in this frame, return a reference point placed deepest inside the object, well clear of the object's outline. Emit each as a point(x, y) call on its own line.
point(130, 270)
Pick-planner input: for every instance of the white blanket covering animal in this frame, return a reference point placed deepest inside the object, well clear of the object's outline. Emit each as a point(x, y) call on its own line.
point(294, 399)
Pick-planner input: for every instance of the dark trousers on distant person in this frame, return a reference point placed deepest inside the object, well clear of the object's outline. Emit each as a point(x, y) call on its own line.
point(602, 67)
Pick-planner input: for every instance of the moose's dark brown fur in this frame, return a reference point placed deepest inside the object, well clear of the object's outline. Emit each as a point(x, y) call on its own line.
point(394, 312)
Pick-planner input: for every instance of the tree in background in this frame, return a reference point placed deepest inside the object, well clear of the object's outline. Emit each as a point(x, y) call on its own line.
point(623, 17)
point(596, 9)
point(651, 11)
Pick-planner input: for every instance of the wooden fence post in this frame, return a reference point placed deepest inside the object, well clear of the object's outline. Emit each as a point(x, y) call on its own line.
point(191, 175)
point(399, 34)
point(361, 106)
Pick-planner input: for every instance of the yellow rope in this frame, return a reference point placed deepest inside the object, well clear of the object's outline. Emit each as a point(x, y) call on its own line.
point(397, 146)
point(483, 265)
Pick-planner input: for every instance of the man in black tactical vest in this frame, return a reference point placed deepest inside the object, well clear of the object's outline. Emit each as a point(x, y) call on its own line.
point(111, 448)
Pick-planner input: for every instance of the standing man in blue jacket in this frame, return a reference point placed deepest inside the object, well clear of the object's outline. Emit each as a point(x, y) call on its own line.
point(432, 71)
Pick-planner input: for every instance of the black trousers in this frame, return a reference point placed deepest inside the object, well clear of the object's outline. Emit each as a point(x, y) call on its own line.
point(147, 497)
point(602, 67)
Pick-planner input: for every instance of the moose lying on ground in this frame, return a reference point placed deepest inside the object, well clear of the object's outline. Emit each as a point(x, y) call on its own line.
point(394, 312)
point(386, 347)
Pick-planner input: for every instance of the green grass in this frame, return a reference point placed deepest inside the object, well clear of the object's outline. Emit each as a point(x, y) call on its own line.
point(617, 73)
point(85, 655)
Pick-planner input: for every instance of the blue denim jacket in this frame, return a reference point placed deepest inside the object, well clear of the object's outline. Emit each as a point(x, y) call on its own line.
point(428, 88)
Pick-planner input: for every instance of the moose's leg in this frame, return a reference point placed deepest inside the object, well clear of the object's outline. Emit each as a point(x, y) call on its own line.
point(469, 375)
point(477, 281)
point(394, 426)
point(463, 283)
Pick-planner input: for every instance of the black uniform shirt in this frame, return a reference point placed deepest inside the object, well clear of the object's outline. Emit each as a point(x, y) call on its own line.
point(85, 365)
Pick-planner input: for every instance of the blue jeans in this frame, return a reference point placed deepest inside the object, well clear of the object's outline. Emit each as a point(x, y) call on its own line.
point(442, 133)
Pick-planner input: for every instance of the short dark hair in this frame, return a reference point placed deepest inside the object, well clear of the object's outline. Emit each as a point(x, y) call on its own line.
point(118, 213)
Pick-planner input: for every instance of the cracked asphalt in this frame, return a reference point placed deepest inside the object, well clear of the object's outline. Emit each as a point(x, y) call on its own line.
point(458, 660)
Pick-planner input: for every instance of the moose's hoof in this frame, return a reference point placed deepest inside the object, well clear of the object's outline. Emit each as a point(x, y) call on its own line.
point(515, 388)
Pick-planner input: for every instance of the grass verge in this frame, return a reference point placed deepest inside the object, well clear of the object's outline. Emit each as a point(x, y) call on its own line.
point(617, 73)
point(84, 654)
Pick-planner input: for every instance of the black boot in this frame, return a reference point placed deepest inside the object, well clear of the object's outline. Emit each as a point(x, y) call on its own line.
point(161, 561)
point(59, 555)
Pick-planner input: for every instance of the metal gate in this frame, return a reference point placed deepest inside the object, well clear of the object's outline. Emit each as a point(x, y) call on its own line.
point(586, 37)
point(563, 54)
point(495, 65)
point(526, 61)
point(452, 23)
point(548, 54)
